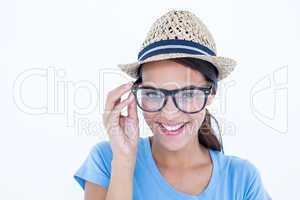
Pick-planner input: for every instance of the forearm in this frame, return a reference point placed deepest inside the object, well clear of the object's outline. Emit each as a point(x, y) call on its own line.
point(121, 183)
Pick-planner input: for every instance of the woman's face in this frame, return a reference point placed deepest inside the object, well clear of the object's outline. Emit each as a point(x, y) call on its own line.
point(170, 75)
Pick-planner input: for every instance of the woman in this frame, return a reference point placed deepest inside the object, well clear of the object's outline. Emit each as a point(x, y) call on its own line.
point(177, 74)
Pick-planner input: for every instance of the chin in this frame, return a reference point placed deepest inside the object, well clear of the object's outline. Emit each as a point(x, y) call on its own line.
point(172, 142)
point(172, 146)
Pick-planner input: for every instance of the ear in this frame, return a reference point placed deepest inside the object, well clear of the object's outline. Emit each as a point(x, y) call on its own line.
point(210, 99)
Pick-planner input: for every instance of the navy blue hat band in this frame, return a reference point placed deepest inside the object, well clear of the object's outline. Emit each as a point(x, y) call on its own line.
point(174, 46)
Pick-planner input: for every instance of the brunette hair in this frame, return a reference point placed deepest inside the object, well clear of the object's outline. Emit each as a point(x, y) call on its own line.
point(206, 134)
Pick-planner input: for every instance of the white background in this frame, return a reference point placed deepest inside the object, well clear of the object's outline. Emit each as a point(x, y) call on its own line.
point(81, 43)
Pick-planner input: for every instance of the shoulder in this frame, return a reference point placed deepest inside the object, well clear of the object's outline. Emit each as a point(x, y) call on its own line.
point(235, 164)
point(243, 174)
point(103, 150)
point(99, 158)
point(97, 166)
point(242, 166)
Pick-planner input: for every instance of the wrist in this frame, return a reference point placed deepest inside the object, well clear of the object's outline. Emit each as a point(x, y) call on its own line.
point(123, 163)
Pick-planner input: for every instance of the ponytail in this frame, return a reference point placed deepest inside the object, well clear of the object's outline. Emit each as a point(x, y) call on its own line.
point(207, 136)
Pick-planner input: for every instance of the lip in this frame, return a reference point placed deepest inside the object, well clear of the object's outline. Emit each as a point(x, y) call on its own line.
point(167, 132)
point(171, 123)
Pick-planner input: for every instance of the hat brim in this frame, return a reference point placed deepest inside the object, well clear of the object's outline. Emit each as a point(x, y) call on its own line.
point(224, 65)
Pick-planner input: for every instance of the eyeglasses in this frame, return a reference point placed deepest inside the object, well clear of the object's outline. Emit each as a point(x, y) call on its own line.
point(189, 99)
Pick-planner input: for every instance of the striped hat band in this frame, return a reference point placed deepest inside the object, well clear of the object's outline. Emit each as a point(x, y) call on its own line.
point(174, 46)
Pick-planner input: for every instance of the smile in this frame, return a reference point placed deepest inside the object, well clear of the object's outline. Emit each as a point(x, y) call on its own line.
point(175, 129)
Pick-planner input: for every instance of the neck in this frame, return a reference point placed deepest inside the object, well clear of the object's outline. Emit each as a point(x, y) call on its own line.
point(193, 154)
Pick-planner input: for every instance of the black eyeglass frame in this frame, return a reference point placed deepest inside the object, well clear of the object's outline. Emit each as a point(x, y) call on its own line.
point(172, 93)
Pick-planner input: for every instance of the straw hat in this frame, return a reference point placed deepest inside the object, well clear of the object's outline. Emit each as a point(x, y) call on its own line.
point(179, 33)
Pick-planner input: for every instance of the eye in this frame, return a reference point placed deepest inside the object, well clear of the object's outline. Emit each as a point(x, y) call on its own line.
point(152, 94)
point(188, 94)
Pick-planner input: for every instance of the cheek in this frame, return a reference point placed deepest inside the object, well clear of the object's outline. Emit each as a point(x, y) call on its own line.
point(150, 118)
point(195, 122)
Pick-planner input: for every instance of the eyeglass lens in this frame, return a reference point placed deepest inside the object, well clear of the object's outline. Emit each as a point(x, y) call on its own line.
point(189, 100)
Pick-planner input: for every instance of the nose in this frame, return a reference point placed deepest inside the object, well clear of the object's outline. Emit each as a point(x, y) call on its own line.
point(170, 107)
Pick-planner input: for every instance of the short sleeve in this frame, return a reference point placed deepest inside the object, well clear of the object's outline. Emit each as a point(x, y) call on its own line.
point(96, 167)
point(255, 189)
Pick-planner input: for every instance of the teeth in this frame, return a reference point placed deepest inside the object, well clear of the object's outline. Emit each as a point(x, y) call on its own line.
point(172, 128)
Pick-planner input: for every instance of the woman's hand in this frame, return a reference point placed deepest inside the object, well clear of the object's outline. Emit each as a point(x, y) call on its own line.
point(123, 131)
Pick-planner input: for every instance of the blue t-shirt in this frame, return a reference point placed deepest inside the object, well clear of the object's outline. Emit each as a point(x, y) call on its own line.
point(232, 177)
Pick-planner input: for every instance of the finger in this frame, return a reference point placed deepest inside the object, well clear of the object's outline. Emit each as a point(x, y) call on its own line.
point(106, 113)
point(130, 127)
point(132, 109)
point(114, 96)
point(114, 115)
point(122, 121)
